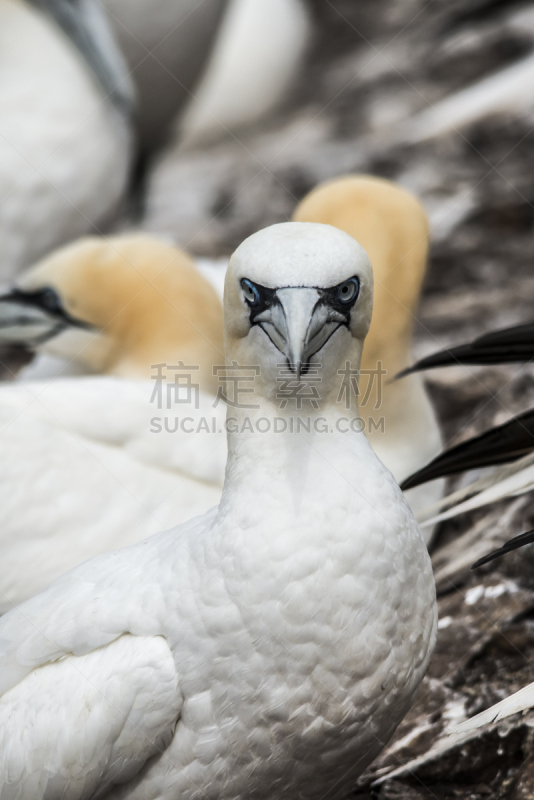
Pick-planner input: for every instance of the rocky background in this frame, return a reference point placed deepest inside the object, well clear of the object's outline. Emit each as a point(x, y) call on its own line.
point(419, 91)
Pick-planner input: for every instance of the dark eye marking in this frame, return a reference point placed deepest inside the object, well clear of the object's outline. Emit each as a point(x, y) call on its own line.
point(341, 298)
point(257, 297)
point(48, 300)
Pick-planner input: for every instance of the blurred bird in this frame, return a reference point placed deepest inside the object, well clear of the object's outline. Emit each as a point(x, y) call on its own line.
point(211, 65)
point(509, 446)
point(167, 44)
point(267, 649)
point(256, 57)
point(65, 132)
point(392, 227)
point(117, 306)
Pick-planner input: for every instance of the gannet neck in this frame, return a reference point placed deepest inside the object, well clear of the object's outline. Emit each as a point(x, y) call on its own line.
point(275, 436)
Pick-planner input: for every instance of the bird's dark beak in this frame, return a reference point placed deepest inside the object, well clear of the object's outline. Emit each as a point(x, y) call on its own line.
point(30, 318)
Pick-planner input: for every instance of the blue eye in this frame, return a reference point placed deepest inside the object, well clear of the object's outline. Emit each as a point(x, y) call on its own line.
point(252, 295)
point(347, 292)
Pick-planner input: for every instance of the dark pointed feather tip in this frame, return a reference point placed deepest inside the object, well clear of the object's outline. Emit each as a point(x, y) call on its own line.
point(404, 372)
point(411, 482)
point(486, 559)
point(517, 542)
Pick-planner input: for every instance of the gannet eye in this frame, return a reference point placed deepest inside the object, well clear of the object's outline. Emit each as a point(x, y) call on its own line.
point(348, 291)
point(252, 295)
point(49, 299)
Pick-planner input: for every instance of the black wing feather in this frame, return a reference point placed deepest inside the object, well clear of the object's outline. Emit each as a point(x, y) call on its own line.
point(499, 445)
point(499, 347)
point(514, 544)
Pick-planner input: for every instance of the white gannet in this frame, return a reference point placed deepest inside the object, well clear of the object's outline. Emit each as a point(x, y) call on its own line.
point(391, 225)
point(508, 446)
point(65, 137)
point(269, 648)
point(71, 439)
point(166, 44)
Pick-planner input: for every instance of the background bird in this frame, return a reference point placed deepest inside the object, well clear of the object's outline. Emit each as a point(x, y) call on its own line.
point(119, 307)
point(206, 658)
point(391, 225)
point(116, 306)
point(166, 44)
point(65, 131)
point(255, 61)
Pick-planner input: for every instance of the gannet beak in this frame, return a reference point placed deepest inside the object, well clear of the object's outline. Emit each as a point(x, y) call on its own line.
point(299, 324)
point(31, 318)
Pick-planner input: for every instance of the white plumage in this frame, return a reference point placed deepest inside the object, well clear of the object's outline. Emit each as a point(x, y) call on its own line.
point(256, 57)
point(64, 145)
point(167, 44)
point(267, 649)
point(94, 474)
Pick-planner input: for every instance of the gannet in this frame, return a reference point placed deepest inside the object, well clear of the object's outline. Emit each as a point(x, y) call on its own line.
point(65, 136)
point(120, 307)
point(269, 648)
point(391, 225)
point(117, 306)
point(509, 446)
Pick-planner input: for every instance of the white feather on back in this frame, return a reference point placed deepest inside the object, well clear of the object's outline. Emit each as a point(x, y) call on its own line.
point(123, 705)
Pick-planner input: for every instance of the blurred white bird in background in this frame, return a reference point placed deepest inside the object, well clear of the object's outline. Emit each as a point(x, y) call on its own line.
point(268, 648)
point(256, 58)
point(166, 44)
point(208, 66)
point(117, 307)
point(65, 132)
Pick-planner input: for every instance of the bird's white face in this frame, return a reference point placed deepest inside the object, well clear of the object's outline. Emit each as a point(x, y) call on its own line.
point(298, 301)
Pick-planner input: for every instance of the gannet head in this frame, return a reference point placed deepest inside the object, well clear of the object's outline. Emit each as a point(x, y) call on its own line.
point(117, 306)
point(297, 296)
